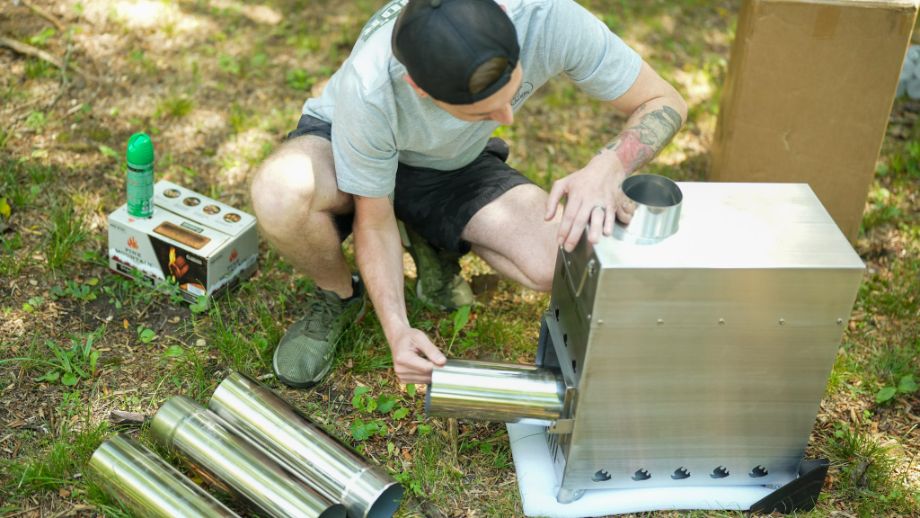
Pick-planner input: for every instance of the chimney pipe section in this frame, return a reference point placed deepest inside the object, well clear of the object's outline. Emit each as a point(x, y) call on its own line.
point(330, 467)
point(495, 392)
point(654, 203)
point(147, 485)
point(204, 440)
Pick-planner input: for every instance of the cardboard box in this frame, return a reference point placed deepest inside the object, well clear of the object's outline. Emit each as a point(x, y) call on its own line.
point(202, 244)
point(809, 91)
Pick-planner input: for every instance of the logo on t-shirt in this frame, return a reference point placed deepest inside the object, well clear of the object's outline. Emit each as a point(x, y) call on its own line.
point(381, 17)
point(523, 92)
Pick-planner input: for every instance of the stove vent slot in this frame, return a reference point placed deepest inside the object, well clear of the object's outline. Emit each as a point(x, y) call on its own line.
point(759, 471)
point(720, 472)
point(601, 476)
point(641, 474)
point(680, 473)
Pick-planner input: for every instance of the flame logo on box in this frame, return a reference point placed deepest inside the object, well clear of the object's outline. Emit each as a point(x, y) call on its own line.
point(132, 243)
point(234, 255)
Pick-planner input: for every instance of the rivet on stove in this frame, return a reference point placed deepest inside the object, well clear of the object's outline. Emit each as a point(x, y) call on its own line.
point(660, 322)
point(721, 321)
point(782, 321)
point(600, 322)
point(839, 321)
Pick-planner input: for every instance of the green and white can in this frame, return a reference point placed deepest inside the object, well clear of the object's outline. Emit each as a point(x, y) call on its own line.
point(140, 175)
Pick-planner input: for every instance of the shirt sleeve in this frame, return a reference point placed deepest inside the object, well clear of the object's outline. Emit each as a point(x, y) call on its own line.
point(363, 147)
point(586, 50)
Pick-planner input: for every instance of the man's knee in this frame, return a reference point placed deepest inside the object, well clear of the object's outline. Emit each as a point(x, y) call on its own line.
point(537, 272)
point(282, 191)
point(542, 278)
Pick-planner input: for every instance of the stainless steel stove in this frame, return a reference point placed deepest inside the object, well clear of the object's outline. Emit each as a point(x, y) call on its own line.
point(692, 348)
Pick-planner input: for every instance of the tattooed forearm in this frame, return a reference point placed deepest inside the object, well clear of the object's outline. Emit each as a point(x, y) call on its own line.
point(638, 144)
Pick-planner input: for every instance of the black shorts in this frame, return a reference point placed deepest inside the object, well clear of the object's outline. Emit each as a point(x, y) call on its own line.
point(438, 204)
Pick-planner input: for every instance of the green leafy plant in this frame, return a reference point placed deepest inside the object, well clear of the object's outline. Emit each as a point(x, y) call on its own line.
point(906, 385)
point(33, 304)
point(459, 318)
point(69, 366)
point(361, 401)
point(145, 334)
point(173, 351)
point(413, 484)
point(200, 305)
point(139, 289)
point(362, 431)
point(84, 292)
point(375, 408)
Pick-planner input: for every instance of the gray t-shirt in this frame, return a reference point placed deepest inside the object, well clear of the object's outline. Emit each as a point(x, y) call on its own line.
point(378, 120)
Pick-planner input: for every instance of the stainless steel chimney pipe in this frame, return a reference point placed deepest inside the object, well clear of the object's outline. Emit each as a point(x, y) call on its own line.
point(330, 467)
point(147, 485)
point(205, 440)
point(495, 392)
point(654, 202)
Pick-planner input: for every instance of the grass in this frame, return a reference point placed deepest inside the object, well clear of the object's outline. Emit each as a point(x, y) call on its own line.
point(175, 106)
point(865, 474)
point(226, 89)
point(55, 463)
point(64, 233)
point(243, 336)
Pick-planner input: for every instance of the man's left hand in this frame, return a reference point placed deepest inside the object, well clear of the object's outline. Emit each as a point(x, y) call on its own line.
point(593, 195)
point(592, 199)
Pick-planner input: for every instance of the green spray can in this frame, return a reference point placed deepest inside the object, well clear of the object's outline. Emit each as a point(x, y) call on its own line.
point(140, 175)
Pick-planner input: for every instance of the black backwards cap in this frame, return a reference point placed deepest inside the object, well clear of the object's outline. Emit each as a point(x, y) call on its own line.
point(442, 42)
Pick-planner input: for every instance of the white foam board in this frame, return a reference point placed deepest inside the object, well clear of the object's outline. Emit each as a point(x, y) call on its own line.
point(538, 486)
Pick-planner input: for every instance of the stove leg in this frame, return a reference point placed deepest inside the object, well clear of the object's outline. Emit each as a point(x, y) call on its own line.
point(567, 496)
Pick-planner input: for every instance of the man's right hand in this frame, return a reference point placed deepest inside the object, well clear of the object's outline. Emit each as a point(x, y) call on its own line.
point(379, 255)
point(414, 355)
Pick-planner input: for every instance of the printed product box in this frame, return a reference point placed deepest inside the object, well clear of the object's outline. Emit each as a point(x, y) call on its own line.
point(809, 90)
point(202, 244)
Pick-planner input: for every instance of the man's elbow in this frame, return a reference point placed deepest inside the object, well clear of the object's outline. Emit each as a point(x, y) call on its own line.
point(677, 102)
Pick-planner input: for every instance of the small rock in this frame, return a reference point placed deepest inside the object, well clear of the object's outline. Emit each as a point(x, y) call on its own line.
point(200, 342)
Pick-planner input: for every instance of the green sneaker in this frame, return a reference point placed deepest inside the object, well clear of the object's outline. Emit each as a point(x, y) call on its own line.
point(439, 281)
point(304, 354)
